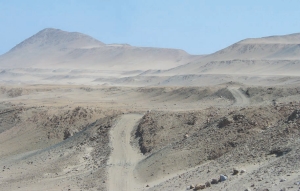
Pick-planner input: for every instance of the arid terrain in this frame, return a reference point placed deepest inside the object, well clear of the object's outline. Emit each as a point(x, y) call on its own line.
point(78, 114)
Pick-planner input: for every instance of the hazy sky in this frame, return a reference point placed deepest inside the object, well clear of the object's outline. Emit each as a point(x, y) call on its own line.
point(197, 26)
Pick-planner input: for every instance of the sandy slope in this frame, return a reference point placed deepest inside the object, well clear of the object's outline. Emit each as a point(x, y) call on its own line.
point(123, 158)
point(53, 56)
point(56, 49)
point(277, 55)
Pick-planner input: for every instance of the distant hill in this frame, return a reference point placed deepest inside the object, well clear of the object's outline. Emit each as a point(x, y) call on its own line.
point(285, 47)
point(56, 56)
point(54, 48)
point(278, 55)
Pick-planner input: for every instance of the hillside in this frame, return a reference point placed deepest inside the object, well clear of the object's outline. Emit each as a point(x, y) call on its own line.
point(275, 55)
point(59, 57)
point(54, 48)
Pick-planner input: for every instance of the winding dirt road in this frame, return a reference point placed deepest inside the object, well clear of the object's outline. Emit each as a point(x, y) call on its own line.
point(240, 97)
point(123, 158)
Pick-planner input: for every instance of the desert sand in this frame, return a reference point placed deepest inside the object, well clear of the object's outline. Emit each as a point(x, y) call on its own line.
point(79, 114)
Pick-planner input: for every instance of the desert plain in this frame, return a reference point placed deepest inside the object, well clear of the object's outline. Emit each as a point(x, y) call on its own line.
point(78, 114)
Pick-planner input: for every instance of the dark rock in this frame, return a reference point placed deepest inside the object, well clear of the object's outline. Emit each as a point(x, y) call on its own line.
point(224, 122)
point(294, 115)
point(67, 134)
point(280, 151)
point(199, 187)
point(207, 184)
point(235, 172)
point(214, 181)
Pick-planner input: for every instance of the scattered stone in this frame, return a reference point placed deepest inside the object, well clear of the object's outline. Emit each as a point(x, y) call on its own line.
point(235, 172)
point(192, 186)
point(282, 180)
point(223, 178)
point(147, 185)
point(224, 122)
point(214, 181)
point(294, 115)
point(207, 184)
point(243, 171)
point(238, 117)
point(247, 189)
point(67, 134)
point(199, 187)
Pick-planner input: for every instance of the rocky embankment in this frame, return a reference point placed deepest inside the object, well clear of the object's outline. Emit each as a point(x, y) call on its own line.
point(264, 139)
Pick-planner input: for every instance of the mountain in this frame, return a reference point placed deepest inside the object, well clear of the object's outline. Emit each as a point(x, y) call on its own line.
point(275, 55)
point(54, 48)
point(55, 38)
point(56, 56)
point(285, 47)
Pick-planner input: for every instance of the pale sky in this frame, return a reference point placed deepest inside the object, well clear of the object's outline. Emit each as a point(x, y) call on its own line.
point(196, 26)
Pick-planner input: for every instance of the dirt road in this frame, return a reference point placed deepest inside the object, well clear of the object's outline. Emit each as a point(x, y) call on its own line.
point(240, 97)
point(123, 158)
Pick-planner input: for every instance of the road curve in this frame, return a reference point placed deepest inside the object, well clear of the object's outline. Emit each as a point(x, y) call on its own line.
point(240, 98)
point(123, 158)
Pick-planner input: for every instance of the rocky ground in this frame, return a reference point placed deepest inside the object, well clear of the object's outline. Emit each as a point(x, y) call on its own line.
point(263, 141)
point(59, 137)
point(54, 148)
